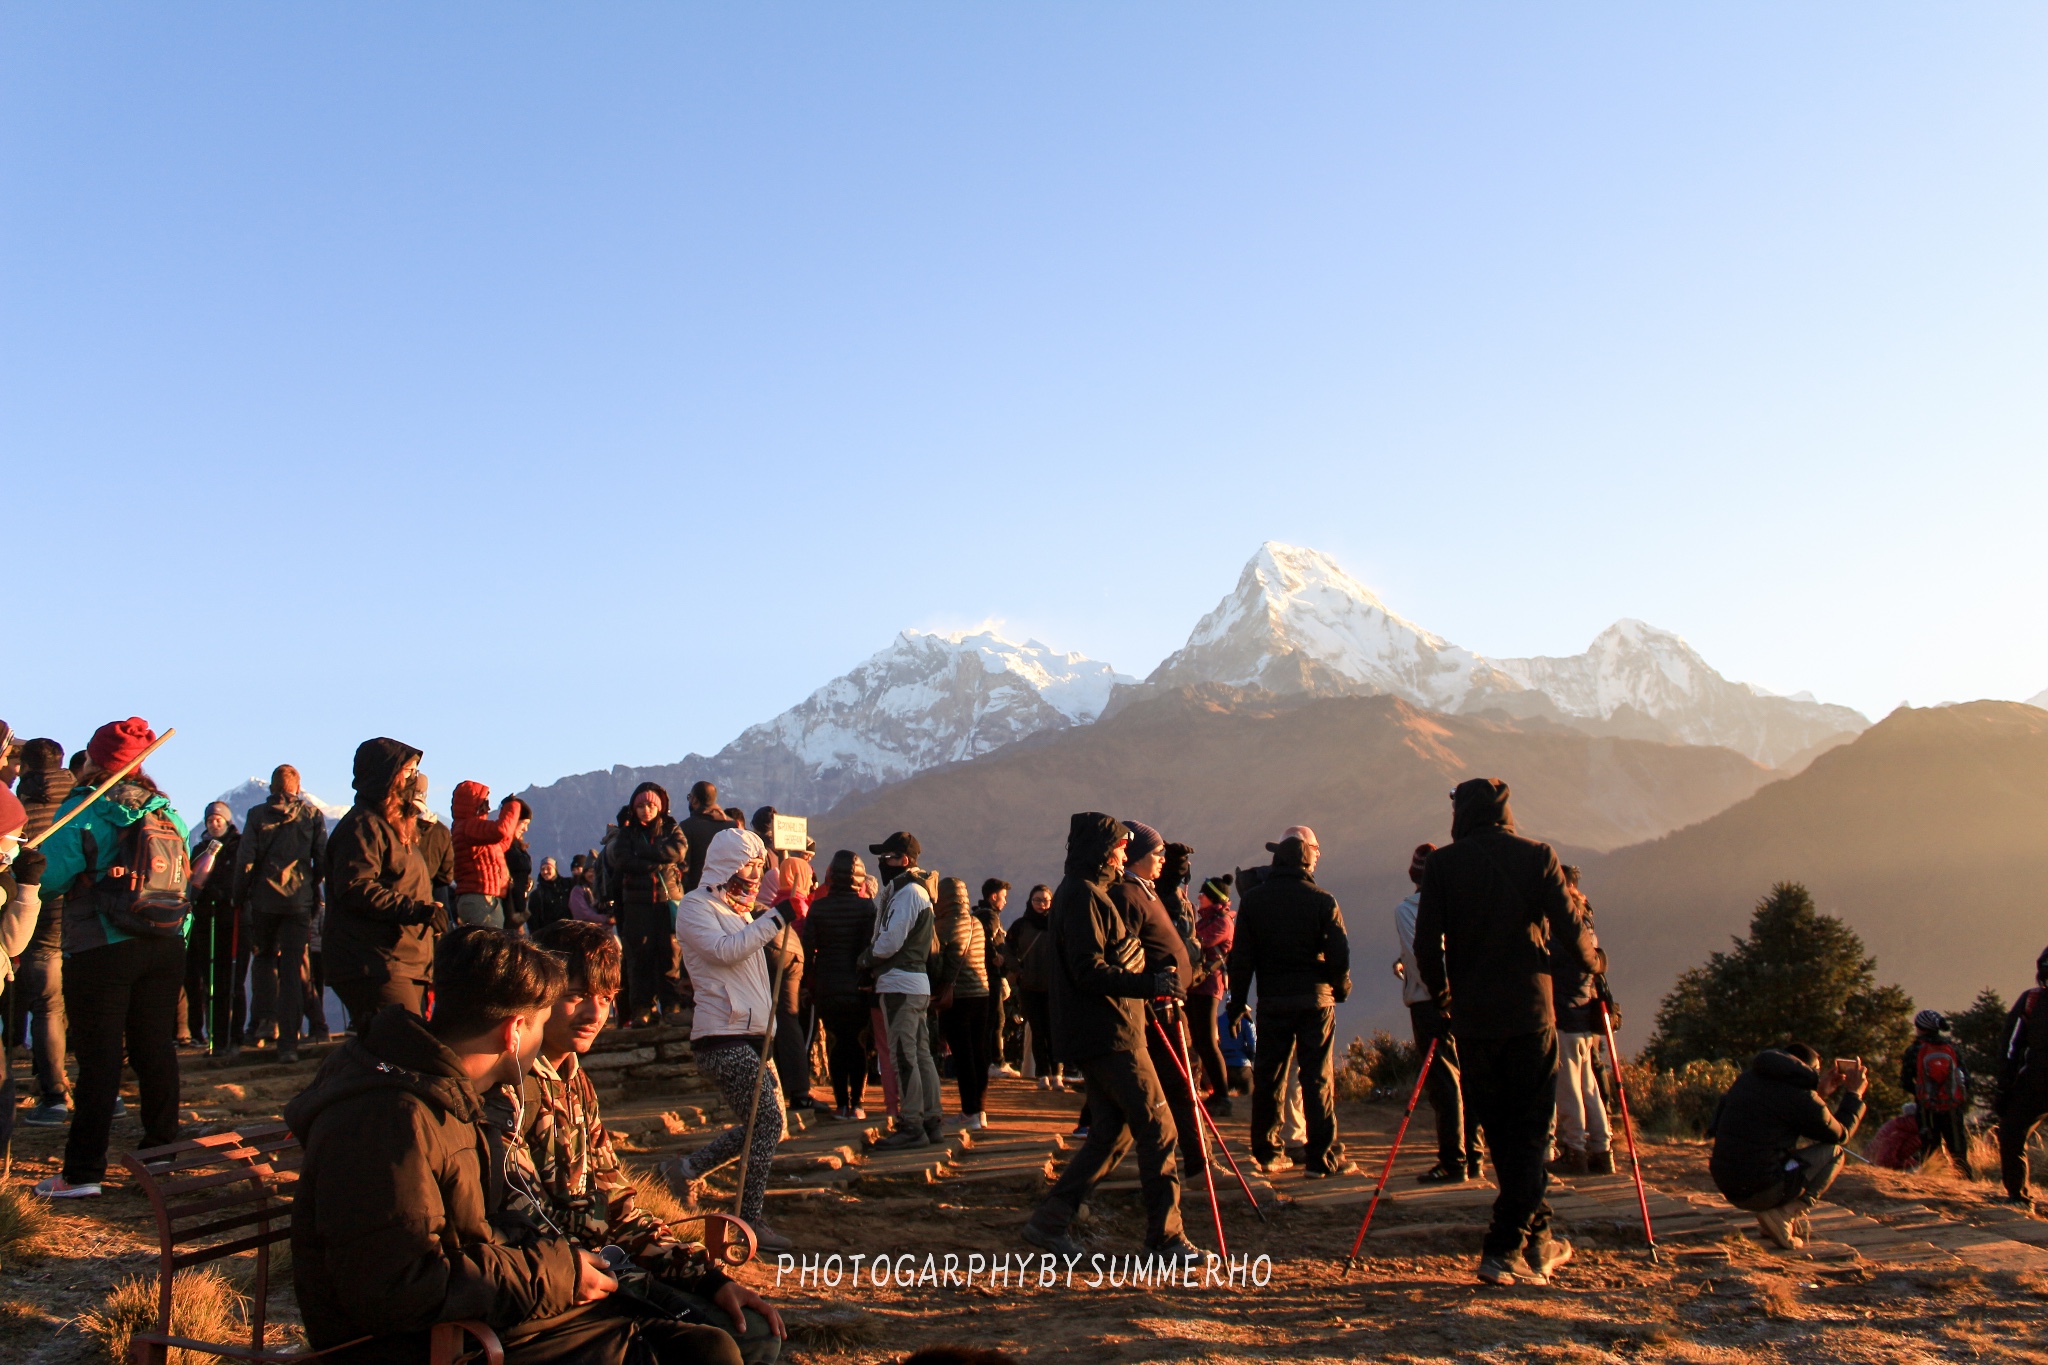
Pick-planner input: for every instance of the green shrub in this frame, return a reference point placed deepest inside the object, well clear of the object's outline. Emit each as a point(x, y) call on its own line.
point(1676, 1103)
point(1384, 1063)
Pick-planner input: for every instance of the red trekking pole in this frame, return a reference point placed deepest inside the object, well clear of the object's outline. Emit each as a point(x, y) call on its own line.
point(1208, 1120)
point(1392, 1152)
point(1201, 1135)
point(1628, 1127)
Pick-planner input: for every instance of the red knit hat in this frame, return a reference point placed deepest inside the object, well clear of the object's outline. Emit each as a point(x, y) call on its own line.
point(12, 816)
point(118, 741)
point(1417, 859)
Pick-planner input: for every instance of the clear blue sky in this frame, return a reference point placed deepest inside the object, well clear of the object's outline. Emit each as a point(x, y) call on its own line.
point(554, 386)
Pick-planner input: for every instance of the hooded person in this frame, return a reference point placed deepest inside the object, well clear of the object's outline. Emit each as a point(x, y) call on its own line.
point(902, 957)
point(1099, 992)
point(21, 905)
point(1495, 915)
point(644, 862)
point(1781, 1135)
point(124, 948)
point(277, 881)
point(382, 917)
point(1029, 959)
point(1136, 897)
point(836, 931)
point(1290, 943)
point(217, 948)
point(2022, 1095)
point(724, 945)
point(480, 840)
point(39, 975)
point(1457, 1137)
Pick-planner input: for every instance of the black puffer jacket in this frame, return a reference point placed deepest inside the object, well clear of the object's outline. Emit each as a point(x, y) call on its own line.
point(1290, 938)
point(644, 863)
point(837, 930)
point(391, 1229)
point(1495, 913)
point(381, 912)
point(1030, 952)
point(1772, 1110)
point(1097, 1008)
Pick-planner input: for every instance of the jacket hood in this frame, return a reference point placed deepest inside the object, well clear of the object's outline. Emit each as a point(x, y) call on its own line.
point(1290, 858)
point(953, 898)
point(1784, 1068)
point(1481, 803)
point(731, 849)
point(1091, 836)
point(124, 803)
point(399, 1053)
point(660, 794)
point(377, 762)
point(471, 799)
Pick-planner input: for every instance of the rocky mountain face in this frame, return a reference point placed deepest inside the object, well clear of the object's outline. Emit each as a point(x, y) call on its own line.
point(1297, 623)
point(925, 701)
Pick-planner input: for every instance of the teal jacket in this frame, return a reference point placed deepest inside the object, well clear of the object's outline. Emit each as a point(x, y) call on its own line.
point(106, 818)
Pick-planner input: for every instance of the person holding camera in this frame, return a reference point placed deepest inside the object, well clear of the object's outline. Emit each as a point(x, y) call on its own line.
point(1779, 1142)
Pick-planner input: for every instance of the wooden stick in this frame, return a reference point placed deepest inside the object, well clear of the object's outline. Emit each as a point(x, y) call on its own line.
point(101, 790)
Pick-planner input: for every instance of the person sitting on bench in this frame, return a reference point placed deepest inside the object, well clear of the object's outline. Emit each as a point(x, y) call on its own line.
point(562, 1172)
point(392, 1222)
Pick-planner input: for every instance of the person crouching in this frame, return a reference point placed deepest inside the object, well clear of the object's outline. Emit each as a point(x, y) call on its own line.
point(1779, 1143)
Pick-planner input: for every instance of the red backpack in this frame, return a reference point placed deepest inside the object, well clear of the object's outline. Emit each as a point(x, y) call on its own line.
point(1938, 1086)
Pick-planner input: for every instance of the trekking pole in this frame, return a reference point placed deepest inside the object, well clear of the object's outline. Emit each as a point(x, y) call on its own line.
point(101, 790)
point(1208, 1120)
point(1387, 1170)
point(760, 1079)
point(1628, 1128)
point(1201, 1136)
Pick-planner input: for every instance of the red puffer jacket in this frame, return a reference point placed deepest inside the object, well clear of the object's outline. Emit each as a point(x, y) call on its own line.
point(481, 840)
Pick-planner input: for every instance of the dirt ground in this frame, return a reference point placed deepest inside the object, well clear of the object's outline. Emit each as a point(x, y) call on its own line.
point(1716, 1296)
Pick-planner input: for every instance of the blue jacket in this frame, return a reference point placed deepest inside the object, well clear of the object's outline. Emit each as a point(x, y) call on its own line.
point(106, 819)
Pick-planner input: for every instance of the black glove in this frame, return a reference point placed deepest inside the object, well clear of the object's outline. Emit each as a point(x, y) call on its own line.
point(1166, 985)
point(28, 866)
point(432, 914)
point(1127, 954)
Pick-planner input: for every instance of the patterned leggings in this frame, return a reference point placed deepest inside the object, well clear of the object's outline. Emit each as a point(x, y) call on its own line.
point(738, 1074)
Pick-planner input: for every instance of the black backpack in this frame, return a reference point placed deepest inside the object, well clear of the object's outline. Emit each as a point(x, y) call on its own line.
point(146, 891)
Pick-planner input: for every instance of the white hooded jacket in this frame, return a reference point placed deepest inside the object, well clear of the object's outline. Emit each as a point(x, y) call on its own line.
point(722, 948)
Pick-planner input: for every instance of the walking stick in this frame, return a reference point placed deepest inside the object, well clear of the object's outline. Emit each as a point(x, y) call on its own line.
point(1628, 1126)
point(101, 790)
point(1208, 1120)
point(1201, 1135)
point(760, 1079)
point(1387, 1170)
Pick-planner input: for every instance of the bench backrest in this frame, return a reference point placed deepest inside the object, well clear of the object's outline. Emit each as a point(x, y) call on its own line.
point(219, 1196)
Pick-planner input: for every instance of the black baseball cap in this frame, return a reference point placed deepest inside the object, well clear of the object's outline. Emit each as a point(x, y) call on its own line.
point(901, 844)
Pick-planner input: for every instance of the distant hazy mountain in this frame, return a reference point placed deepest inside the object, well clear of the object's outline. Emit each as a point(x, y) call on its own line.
point(253, 793)
point(926, 700)
point(1925, 834)
point(1297, 623)
point(2039, 699)
point(1227, 771)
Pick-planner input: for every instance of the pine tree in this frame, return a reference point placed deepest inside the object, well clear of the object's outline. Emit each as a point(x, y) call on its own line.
point(1979, 1032)
point(1800, 976)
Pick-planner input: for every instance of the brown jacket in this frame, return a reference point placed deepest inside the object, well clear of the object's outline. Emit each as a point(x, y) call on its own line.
point(390, 1226)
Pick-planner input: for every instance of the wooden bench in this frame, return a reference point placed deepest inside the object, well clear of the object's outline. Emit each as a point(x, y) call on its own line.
point(221, 1195)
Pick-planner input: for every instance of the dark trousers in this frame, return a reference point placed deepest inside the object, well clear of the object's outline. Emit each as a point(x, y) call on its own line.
point(1944, 1128)
point(965, 1026)
point(1305, 1036)
point(793, 1056)
point(845, 1052)
point(1511, 1085)
point(1037, 1007)
point(39, 993)
point(1457, 1136)
point(996, 1011)
point(2023, 1110)
point(1127, 1109)
point(604, 1333)
point(122, 999)
point(1180, 1100)
point(215, 952)
point(648, 935)
point(362, 998)
point(316, 995)
point(1204, 1030)
point(280, 944)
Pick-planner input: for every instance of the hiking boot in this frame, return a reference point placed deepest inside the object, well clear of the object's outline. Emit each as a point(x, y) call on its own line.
point(1780, 1225)
point(54, 1115)
point(1275, 1163)
point(935, 1131)
point(287, 1056)
point(1500, 1270)
point(1600, 1161)
point(1568, 1161)
point(1545, 1257)
point(1059, 1243)
point(768, 1239)
point(1176, 1247)
point(903, 1138)
point(1452, 1173)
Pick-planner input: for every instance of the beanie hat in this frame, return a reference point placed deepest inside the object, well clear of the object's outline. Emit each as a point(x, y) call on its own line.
point(1930, 1021)
point(1217, 889)
point(13, 815)
point(226, 812)
point(1417, 859)
point(1144, 839)
point(119, 741)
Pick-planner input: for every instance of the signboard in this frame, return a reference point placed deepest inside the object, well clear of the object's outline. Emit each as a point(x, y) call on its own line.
point(791, 833)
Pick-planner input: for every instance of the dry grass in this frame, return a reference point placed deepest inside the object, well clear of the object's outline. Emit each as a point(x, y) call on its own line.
point(28, 1230)
point(204, 1306)
point(652, 1193)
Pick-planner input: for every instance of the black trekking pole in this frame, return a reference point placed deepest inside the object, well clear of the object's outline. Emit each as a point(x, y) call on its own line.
point(1628, 1126)
point(1201, 1140)
point(1387, 1170)
point(1208, 1120)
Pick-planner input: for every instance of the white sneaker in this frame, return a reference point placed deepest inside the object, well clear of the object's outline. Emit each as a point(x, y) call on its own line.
point(1006, 1071)
point(858, 1113)
point(55, 1188)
